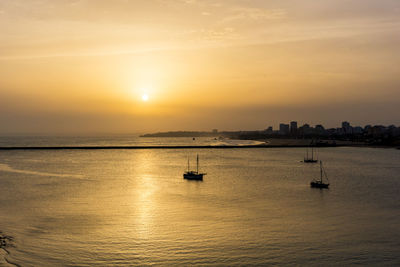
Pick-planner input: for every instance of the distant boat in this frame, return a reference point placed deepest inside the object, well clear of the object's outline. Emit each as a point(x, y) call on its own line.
point(307, 159)
point(320, 183)
point(193, 175)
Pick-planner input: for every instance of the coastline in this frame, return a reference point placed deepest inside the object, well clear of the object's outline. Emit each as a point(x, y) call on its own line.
point(263, 143)
point(263, 146)
point(5, 241)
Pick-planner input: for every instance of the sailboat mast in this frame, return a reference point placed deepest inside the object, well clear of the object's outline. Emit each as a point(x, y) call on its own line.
point(188, 164)
point(197, 163)
point(320, 167)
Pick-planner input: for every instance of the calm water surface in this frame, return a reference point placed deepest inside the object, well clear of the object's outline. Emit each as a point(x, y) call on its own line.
point(254, 207)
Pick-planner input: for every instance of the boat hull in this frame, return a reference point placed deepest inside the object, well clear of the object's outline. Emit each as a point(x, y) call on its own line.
point(191, 176)
point(310, 161)
point(319, 185)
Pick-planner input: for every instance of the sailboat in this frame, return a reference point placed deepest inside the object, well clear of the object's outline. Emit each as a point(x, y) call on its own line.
point(193, 175)
point(320, 183)
point(310, 160)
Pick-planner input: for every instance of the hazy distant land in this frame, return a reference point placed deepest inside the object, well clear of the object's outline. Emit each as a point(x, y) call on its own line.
point(305, 135)
point(267, 142)
point(188, 134)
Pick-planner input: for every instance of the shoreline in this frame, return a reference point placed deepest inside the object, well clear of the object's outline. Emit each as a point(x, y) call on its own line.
point(262, 143)
point(5, 242)
point(181, 147)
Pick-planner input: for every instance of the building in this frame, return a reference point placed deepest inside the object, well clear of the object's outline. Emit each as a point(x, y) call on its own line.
point(357, 130)
point(269, 130)
point(305, 130)
point(284, 129)
point(293, 127)
point(378, 130)
point(319, 129)
point(347, 127)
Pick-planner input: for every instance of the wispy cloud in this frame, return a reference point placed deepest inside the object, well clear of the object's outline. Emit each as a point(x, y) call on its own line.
point(257, 14)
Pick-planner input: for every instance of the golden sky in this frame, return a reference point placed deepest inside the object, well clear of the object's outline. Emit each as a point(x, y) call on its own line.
point(83, 66)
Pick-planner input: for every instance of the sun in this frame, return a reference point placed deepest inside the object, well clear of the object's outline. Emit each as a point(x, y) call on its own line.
point(145, 97)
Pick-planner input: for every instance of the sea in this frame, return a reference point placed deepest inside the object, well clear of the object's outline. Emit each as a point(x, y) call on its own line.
point(255, 207)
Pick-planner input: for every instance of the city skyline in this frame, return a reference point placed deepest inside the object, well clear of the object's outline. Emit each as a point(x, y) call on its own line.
point(293, 127)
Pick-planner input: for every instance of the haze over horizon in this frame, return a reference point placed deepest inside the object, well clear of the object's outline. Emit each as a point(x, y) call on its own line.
point(88, 66)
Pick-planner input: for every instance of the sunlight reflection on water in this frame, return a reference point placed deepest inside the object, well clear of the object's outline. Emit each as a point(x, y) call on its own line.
point(255, 207)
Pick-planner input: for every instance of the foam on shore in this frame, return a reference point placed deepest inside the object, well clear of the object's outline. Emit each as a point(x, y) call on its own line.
point(5, 242)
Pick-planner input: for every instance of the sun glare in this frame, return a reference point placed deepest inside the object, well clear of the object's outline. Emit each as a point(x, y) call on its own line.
point(145, 97)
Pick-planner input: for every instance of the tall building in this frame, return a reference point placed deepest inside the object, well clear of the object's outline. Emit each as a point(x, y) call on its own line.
point(347, 128)
point(283, 129)
point(357, 130)
point(345, 124)
point(319, 129)
point(304, 130)
point(293, 127)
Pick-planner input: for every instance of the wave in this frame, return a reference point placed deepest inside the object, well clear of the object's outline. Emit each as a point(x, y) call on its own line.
point(5, 242)
point(7, 168)
point(232, 142)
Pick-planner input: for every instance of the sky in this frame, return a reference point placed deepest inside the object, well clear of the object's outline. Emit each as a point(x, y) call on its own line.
point(85, 66)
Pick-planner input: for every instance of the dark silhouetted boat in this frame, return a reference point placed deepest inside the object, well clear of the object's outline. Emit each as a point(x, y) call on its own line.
point(193, 175)
point(307, 159)
point(320, 183)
